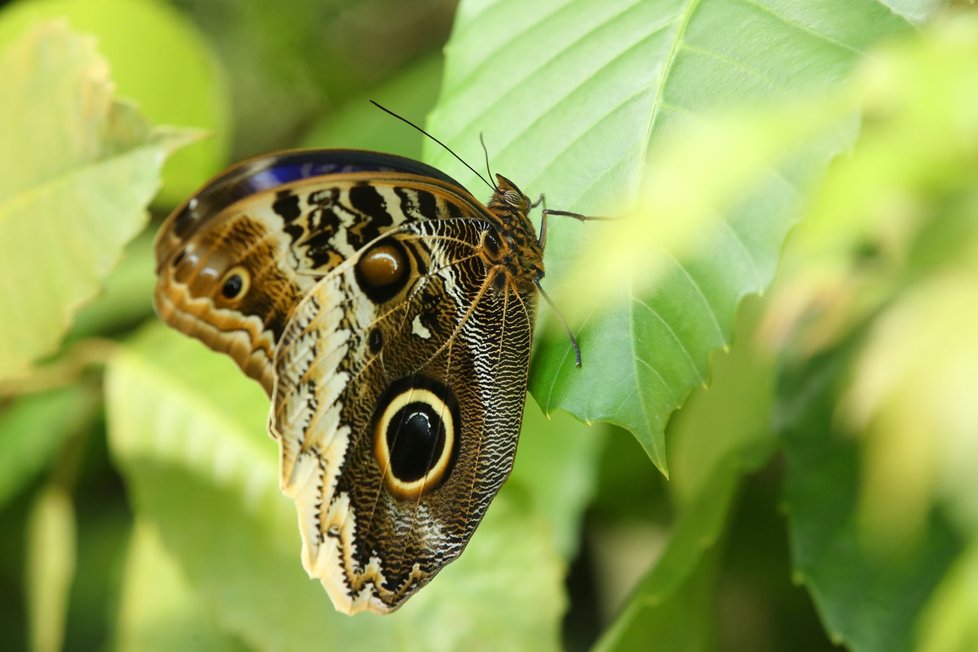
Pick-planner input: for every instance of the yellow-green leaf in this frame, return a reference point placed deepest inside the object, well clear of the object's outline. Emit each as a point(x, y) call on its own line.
point(51, 567)
point(159, 60)
point(76, 173)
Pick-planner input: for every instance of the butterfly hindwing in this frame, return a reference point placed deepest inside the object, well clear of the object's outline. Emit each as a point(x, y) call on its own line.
point(398, 403)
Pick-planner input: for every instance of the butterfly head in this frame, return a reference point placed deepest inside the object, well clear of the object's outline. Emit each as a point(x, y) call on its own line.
point(520, 252)
point(508, 198)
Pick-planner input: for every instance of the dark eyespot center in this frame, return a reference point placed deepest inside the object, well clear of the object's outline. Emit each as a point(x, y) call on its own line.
point(232, 286)
point(417, 435)
point(415, 439)
point(235, 284)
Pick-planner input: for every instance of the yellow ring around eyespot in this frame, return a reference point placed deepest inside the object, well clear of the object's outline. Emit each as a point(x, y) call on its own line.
point(245, 277)
point(430, 479)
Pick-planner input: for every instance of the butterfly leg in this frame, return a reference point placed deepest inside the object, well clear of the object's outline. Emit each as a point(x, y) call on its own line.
point(563, 322)
point(547, 212)
point(542, 238)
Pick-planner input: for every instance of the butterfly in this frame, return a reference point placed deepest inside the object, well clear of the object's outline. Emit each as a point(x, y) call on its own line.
point(388, 314)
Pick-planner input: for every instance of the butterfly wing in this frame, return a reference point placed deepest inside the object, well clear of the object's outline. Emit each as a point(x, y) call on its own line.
point(389, 313)
point(401, 379)
point(235, 259)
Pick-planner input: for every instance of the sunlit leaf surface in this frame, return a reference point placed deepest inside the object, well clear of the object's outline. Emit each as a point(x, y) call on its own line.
point(571, 97)
point(159, 62)
point(77, 171)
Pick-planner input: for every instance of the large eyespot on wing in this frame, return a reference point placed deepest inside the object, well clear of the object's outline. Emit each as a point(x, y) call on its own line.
point(398, 415)
point(416, 430)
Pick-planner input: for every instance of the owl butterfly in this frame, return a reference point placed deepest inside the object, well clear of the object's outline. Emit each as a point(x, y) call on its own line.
point(388, 314)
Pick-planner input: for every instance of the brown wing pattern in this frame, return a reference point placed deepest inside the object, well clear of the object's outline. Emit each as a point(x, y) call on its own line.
point(398, 413)
point(389, 315)
point(232, 278)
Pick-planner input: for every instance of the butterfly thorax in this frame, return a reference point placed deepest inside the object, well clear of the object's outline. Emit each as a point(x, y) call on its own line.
point(520, 251)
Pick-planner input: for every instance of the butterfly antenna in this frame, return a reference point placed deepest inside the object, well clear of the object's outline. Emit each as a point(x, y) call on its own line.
point(485, 152)
point(447, 148)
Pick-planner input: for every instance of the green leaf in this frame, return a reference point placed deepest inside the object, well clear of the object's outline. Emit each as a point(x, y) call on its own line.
point(158, 609)
point(127, 295)
point(873, 316)
point(50, 567)
point(868, 601)
point(917, 11)
point(160, 61)
point(570, 97)
point(33, 428)
point(721, 434)
point(77, 172)
point(412, 93)
point(189, 433)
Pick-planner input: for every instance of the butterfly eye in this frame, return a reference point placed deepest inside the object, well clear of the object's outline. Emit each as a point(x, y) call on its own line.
point(416, 437)
point(512, 198)
point(235, 283)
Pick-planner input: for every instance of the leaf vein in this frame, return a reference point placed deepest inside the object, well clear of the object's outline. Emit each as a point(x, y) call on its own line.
point(682, 346)
point(684, 17)
point(732, 62)
point(500, 98)
point(801, 28)
point(702, 295)
point(743, 247)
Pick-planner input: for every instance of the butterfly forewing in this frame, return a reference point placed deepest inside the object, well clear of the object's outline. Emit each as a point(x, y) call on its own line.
point(283, 227)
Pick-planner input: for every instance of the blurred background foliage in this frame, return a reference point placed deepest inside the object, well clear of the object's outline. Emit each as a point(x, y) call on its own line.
point(821, 490)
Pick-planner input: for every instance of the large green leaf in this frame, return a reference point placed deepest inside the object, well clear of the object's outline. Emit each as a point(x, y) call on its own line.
point(571, 95)
point(76, 173)
point(874, 317)
point(189, 433)
point(159, 61)
point(127, 294)
point(158, 609)
point(868, 601)
point(721, 434)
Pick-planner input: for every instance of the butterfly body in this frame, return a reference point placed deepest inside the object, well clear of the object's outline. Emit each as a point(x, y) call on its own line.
point(389, 315)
